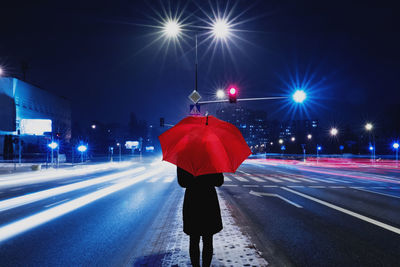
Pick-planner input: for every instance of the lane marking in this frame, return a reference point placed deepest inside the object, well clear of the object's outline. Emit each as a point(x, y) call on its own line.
point(270, 186)
point(338, 181)
point(226, 179)
point(241, 179)
point(379, 193)
point(296, 186)
point(256, 179)
point(304, 179)
point(260, 194)
point(250, 185)
point(16, 189)
point(346, 211)
point(337, 186)
point(272, 179)
point(229, 185)
point(321, 180)
point(317, 186)
point(289, 179)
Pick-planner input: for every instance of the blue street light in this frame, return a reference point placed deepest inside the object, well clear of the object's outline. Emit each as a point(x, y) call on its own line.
point(396, 145)
point(299, 96)
point(53, 145)
point(319, 148)
point(82, 148)
point(371, 148)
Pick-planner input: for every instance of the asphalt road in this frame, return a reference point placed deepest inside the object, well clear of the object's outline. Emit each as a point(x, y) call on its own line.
point(297, 215)
point(100, 223)
point(315, 216)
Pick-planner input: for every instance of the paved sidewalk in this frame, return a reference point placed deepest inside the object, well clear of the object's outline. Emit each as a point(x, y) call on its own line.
point(168, 245)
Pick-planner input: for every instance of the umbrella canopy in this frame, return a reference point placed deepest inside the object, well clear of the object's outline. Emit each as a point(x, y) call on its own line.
point(204, 145)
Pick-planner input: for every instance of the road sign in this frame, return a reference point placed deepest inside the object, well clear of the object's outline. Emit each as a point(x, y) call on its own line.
point(195, 96)
point(195, 109)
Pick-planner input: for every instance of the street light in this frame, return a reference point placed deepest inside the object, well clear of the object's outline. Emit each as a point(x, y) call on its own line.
point(220, 94)
point(396, 147)
point(280, 141)
point(309, 136)
point(93, 126)
point(172, 28)
point(368, 126)
point(119, 147)
point(82, 149)
point(52, 145)
point(299, 96)
point(334, 131)
point(293, 139)
point(221, 28)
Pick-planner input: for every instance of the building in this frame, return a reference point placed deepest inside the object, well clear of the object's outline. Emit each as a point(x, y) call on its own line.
point(32, 113)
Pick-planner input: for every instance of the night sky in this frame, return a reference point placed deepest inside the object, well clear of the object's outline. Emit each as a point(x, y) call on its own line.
point(104, 57)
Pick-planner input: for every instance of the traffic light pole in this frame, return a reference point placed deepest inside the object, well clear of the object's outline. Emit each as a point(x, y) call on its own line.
point(242, 99)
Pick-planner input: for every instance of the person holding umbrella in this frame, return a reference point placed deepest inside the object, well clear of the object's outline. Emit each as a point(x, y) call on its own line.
point(202, 148)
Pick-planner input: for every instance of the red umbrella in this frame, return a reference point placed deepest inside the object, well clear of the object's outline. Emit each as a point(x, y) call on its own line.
point(203, 145)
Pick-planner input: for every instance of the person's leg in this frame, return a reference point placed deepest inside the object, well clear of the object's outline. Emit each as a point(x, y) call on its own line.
point(207, 250)
point(194, 250)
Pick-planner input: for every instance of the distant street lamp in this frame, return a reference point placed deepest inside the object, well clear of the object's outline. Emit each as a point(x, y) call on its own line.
point(172, 28)
point(368, 128)
point(119, 147)
point(220, 94)
point(319, 148)
point(299, 96)
point(52, 145)
point(334, 131)
point(309, 136)
point(82, 149)
point(93, 126)
point(221, 29)
point(396, 147)
point(293, 139)
point(280, 141)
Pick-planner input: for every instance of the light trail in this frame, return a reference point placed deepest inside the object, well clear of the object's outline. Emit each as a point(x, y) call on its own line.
point(20, 226)
point(33, 197)
point(29, 178)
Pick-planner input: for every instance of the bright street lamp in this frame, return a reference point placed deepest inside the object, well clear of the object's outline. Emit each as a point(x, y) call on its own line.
point(309, 136)
point(220, 94)
point(221, 28)
point(368, 126)
point(299, 96)
point(334, 131)
point(293, 139)
point(280, 141)
point(172, 28)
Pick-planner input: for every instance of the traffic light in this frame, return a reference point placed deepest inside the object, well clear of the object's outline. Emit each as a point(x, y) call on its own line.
point(232, 95)
point(161, 122)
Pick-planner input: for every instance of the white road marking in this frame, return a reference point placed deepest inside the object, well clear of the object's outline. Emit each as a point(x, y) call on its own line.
point(48, 206)
point(154, 179)
point(260, 194)
point(16, 189)
point(378, 187)
point(272, 179)
point(304, 179)
point(296, 186)
point(321, 180)
point(346, 211)
point(169, 179)
point(256, 179)
point(337, 187)
point(317, 186)
point(250, 185)
point(379, 193)
point(289, 179)
point(270, 186)
point(226, 179)
point(229, 185)
point(241, 179)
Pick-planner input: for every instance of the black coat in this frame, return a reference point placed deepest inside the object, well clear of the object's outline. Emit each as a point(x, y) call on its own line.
point(201, 212)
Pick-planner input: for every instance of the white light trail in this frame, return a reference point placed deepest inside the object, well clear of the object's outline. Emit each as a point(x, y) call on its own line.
point(33, 197)
point(30, 178)
point(15, 228)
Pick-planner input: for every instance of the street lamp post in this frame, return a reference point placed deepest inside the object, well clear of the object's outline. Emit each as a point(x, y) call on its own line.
point(396, 147)
point(82, 149)
point(368, 128)
point(53, 145)
point(119, 147)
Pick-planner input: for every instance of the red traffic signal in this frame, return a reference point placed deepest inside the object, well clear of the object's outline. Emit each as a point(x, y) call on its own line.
point(232, 95)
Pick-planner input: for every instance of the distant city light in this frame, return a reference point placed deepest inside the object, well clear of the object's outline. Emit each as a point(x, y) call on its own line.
point(221, 28)
point(53, 145)
point(368, 126)
point(396, 145)
point(220, 94)
point(309, 136)
point(299, 96)
point(149, 148)
point(93, 126)
point(131, 144)
point(280, 141)
point(172, 28)
point(341, 147)
point(118, 144)
point(293, 139)
point(82, 148)
point(371, 148)
point(334, 131)
point(272, 143)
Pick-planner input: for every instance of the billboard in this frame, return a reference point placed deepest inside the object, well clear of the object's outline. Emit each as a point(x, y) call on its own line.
point(35, 126)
